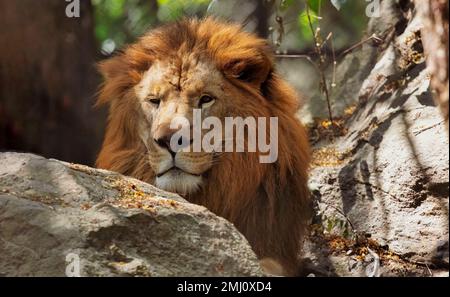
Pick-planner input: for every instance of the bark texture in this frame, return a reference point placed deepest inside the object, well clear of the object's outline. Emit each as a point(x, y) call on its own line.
point(48, 80)
point(434, 15)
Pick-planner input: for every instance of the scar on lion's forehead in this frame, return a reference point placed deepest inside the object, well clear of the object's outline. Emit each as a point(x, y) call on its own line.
point(190, 77)
point(151, 78)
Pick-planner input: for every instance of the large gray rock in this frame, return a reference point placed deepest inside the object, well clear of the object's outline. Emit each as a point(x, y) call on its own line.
point(53, 213)
point(389, 174)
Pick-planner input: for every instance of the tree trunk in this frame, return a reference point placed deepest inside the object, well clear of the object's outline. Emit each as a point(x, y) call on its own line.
point(262, 14)
point(434, 14)
point(48, 80)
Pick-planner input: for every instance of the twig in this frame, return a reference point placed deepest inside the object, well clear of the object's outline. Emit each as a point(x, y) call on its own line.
point(429, 270)
point(306, 57)
point(341, 213)
point(375, 187)
point(321, 60)
point(308, 15)
point(293, 56)
point(428, 128)
point(326, 40)
point(373, 37)
point(376, 264)
point(333, 82)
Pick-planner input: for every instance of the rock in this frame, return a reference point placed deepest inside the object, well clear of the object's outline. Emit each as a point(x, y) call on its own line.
point(351, 72)
point(53, 214)
point(390, 178)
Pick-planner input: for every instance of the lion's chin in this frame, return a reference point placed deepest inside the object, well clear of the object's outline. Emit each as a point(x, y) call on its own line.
point(179, 182)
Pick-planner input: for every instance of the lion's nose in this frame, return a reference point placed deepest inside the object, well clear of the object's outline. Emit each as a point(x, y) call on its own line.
point(178, 142)
point(164, 142)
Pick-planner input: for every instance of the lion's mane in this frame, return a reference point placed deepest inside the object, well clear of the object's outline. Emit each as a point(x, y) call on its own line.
point(268, 203)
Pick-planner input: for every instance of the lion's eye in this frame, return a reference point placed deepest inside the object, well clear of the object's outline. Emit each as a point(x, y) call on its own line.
point(206, 101)
point(154, 101)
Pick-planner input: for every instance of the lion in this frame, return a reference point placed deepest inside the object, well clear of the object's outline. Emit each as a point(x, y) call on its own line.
point(217, 67)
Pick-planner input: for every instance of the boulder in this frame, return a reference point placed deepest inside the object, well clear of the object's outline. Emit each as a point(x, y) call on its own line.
point(60, 219)
point(386, 177)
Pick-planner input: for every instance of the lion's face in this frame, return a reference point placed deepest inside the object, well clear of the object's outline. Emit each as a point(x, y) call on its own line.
point(223, 72)
point(170, 89)
point(205, 65)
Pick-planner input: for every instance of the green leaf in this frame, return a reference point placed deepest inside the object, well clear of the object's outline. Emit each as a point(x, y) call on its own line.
point(303, 23)
point(315, 6)
point(346, 233)
point(330, 226)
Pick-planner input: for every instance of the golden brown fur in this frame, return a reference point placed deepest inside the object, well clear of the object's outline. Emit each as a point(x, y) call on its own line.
point(268, 203)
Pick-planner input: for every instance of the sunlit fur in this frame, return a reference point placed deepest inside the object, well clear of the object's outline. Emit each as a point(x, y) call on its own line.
point(268, 203)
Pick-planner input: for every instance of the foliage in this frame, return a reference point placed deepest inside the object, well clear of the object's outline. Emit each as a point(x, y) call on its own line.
point(121, 21)
point(170, 10)
point(346, 19)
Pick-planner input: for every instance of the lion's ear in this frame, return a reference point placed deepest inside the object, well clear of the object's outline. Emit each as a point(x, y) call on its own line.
point(111, 67)
point(121, 72)
point(252, 68)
